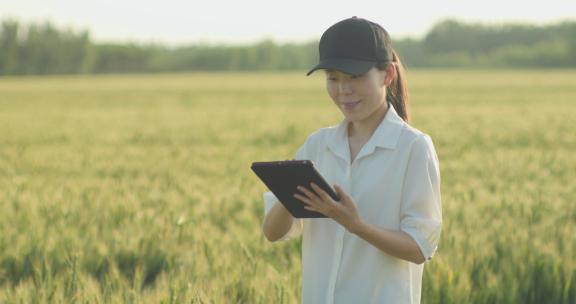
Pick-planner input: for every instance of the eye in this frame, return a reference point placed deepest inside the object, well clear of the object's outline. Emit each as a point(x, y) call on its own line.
point(331, 77)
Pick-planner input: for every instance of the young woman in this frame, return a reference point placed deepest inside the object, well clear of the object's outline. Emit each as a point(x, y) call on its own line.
point(374, 241)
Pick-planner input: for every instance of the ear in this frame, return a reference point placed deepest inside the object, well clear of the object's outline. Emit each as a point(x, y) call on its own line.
point(390, 74)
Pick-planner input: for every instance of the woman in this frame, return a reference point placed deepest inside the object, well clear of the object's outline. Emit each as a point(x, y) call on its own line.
point(374, 241)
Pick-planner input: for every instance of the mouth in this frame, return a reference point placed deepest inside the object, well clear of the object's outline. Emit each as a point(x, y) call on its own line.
point(350, 105)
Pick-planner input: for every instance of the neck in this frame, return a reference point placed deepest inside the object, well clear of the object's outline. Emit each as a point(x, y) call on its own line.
point(365, 128)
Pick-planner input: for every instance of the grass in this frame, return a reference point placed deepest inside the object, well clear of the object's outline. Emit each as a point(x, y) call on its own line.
point(137, 188)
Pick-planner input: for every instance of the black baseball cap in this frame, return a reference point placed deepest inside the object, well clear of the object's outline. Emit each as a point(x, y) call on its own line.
point(353, 46)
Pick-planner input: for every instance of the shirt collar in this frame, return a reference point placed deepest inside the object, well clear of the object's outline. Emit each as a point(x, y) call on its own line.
point(385, 136)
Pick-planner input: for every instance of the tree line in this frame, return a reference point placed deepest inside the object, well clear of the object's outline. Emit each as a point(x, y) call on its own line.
point(42, 48)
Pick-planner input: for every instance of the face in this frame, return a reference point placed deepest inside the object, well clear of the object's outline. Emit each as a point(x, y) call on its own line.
point(359, 97)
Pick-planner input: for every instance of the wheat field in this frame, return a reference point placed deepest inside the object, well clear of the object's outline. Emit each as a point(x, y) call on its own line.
point(137, 188)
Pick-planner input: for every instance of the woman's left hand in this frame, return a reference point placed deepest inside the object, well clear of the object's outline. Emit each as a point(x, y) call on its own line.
point(343, 211)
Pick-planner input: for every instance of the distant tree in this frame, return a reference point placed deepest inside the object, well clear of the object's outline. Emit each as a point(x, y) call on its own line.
point(411, 52)
point(452, 43)
point(9, 46)
point(122, 58)
point(42, 48)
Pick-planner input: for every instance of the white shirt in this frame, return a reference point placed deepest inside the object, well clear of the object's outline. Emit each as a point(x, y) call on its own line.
point(395, 182)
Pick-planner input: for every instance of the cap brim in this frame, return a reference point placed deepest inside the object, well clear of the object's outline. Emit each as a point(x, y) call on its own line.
point(348, 66)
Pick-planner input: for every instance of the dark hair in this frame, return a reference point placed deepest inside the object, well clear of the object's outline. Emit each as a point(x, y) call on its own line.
point(397, 91)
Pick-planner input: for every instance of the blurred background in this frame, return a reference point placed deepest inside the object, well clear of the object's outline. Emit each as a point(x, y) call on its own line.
point(59, 37)
point(127, 129)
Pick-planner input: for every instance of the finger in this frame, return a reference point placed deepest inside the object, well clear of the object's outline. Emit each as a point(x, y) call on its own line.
point(323, 195)
point(308, 204)
point(310, 208)
point(341, 192)
point(302, 199)
point(344, 197)
point(307, 201)
point(308, 193)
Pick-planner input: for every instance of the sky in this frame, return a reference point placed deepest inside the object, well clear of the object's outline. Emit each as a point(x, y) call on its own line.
point(175, 22)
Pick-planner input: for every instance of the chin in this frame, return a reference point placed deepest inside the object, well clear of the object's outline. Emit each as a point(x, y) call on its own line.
point(352, 117)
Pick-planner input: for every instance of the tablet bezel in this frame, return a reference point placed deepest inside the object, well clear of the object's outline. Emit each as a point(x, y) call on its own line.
point(282, 178)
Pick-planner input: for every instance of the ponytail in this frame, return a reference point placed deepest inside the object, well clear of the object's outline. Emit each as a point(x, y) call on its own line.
point(397, 91)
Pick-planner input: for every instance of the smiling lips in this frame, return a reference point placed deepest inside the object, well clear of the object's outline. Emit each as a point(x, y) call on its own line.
point(350, 105)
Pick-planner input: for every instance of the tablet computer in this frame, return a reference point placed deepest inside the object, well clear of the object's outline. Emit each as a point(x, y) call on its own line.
point(282, 178)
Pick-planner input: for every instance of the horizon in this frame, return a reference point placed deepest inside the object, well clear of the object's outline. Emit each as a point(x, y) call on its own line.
point(260, 39)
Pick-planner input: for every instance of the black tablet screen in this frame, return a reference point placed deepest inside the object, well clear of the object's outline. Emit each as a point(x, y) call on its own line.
point(282, 178)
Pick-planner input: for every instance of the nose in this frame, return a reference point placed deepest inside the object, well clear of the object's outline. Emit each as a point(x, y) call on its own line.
point(344, 87)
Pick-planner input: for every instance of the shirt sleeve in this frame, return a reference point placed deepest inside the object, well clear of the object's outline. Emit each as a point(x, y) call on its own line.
point(270, 200)
point(421, 211)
